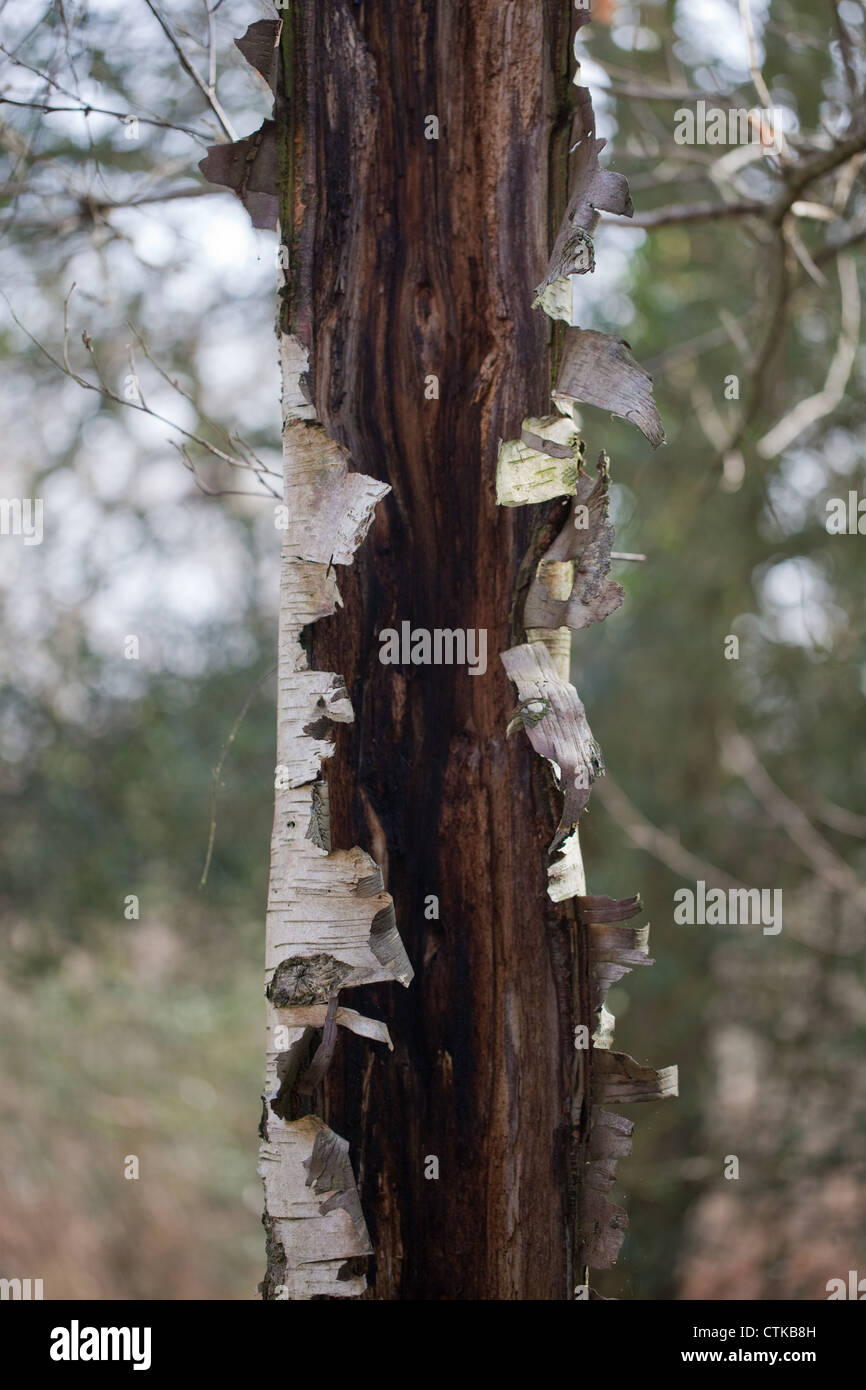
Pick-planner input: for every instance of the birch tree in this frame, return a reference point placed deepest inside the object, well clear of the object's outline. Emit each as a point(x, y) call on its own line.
point(418, 164)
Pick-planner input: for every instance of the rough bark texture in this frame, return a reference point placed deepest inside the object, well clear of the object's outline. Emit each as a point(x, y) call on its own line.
point(423, 257)
point(415, 160)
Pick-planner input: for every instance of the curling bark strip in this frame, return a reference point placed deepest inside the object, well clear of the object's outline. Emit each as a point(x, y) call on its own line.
point(567, 589)
point(416, 161)
point(330, 925)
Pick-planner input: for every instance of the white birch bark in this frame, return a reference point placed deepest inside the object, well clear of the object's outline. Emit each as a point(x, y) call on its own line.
point(330, 924)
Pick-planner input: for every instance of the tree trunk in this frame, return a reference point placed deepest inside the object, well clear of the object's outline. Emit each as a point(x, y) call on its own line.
point(420, 256)
point(417, 161)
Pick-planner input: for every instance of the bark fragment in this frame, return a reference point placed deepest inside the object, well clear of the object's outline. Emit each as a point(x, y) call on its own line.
point(542, 464)
point(259, 47)
point(594, 189)
point(313, 1016)
point(330, 924)
point(623, 1079)
point(598, 369)
point(587, 548)
point(250, 168)
point(569, 589)
point(556, 725)
point(313, 1215)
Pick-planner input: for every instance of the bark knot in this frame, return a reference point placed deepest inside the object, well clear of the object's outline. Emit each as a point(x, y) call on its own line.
point(306, 980)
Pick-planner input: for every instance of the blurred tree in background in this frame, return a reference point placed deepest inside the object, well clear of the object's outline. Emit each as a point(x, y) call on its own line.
point(132, 1036)
point(123, 1035)
point(767, 1030)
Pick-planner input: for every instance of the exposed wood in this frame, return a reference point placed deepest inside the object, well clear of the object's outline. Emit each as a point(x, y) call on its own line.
point(407, 137)
point(425, 254)
point(330, 924)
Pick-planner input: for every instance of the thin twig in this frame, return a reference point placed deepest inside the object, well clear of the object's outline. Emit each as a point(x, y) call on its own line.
point(252, 461)
point(103, 389)
point(652, 840)
point(205, 88)
point(739, 756)
point(807, 412)
point(754, 66)
point(217, 772)
point(86, 108)
point(839, 818)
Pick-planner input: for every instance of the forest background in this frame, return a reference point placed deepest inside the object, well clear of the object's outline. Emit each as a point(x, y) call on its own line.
point(145, 1036)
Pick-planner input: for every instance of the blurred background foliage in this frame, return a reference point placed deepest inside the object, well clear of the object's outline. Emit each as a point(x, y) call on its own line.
point(142, 1036)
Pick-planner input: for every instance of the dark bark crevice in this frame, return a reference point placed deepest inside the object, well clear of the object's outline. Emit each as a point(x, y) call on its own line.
point(424, 255)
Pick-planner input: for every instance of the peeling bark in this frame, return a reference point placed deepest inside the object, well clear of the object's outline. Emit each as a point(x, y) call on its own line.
point(591, 596)
point(543, 463)
point(411, 257)
point(555, 722)
point(598, 369)
point(594, 190)
point(568, 588)
point(312, 1212)
point(330, 924)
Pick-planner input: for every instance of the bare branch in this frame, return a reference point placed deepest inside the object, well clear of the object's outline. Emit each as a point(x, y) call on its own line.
point(204, 87)
point(104, 390)
point(86, 109)
point(814, 408)
point(757, 76)
point(774, 211)
point(694, 212)
point(739, 756)
point(838, 818)
point(847, 57)
point(646, 836)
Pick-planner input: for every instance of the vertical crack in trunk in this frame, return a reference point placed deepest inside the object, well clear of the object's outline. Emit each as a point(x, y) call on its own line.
point(416, 150)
